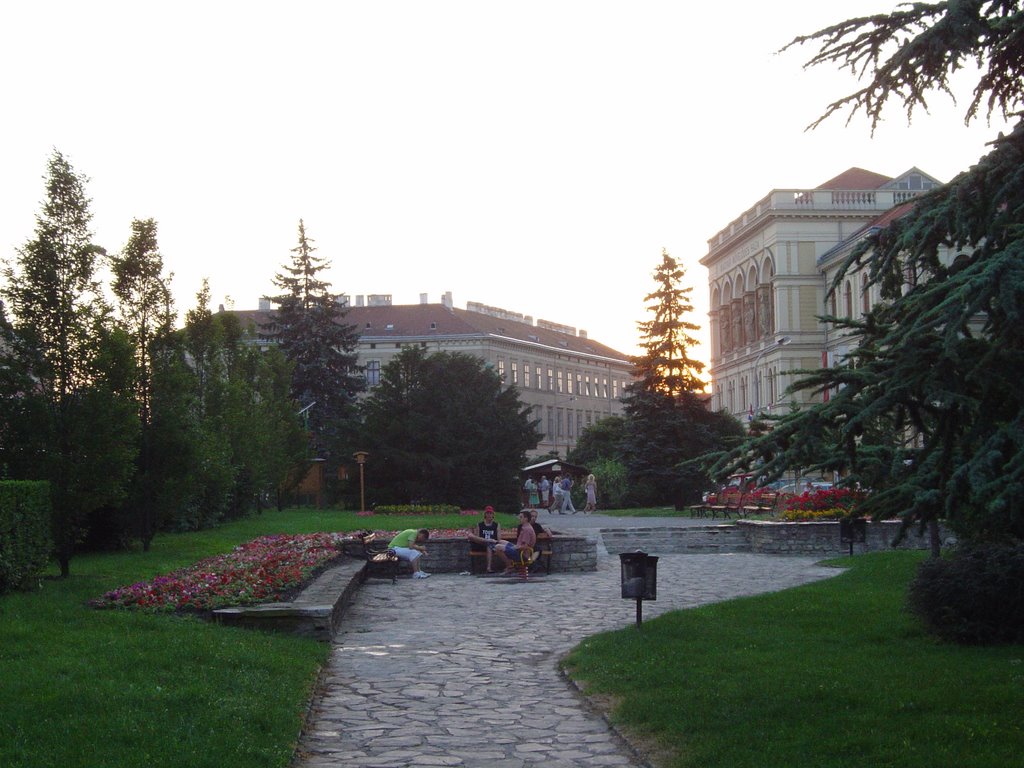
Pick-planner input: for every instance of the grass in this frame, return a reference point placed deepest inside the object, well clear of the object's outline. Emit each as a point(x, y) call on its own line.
point(81, 687)
point(830, 675)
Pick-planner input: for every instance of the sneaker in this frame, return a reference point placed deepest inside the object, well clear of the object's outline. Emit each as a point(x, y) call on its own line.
point(420, 575)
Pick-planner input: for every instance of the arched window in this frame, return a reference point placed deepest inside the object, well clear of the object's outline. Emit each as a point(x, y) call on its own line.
point(848, 299)
point(865, 295)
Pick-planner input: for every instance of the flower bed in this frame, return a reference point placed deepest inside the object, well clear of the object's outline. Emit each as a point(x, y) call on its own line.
point(843, 499)
point(262, 570)
point(813, 515)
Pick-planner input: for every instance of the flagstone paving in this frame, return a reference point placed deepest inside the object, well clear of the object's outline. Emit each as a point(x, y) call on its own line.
point(459, 670)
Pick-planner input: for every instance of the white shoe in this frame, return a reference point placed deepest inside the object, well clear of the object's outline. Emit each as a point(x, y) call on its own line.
point(420, 575)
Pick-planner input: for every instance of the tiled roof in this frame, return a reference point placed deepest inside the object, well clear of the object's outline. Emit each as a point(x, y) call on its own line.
point(879, 222)
point(856, 178)
point(423, 321)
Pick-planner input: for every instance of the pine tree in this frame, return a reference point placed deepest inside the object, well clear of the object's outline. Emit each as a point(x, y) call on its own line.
point(928, 411)
point(309, 326)
point(667, 420)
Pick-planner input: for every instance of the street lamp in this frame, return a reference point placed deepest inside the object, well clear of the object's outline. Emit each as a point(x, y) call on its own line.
point(360, 457)
point(780, 342)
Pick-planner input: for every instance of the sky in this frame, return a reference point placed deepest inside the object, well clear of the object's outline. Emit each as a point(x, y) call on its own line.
point(534, 156)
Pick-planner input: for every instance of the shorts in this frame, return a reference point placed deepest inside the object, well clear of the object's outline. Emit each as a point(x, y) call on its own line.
point(404, 553)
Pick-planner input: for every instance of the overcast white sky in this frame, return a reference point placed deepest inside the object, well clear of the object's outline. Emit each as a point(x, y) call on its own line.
point(530, 155)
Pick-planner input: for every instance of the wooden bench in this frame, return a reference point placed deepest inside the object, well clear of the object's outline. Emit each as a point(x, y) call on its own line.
point(733, 503)
point(761, 502)
point(542, 551)
point(381, 560)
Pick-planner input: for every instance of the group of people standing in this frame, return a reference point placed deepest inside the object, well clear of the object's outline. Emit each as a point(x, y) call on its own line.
point(557, 494)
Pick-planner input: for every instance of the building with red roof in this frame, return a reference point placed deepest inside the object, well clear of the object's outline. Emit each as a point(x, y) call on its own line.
point(569, 380)
point(768, 273)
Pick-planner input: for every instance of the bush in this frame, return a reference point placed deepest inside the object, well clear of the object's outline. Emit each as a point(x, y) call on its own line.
point(25, 543)
point(611, 483)
point(975, 597)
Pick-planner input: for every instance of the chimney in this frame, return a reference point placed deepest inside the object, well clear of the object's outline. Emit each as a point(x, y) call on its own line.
point(343, 299)
point(264, 303)
point(423, 298)
point(582, 334)
point(359, 300)
point(446, 299)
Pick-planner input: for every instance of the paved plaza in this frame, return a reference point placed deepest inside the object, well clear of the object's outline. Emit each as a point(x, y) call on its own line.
point(459, 670)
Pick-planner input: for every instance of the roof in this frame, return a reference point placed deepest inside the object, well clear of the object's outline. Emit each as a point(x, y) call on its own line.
point(552, 467)
point(856, 178)
point(879, 222)
point(425, 321)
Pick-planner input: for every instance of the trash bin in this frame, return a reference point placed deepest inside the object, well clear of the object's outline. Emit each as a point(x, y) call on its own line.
point(639, 575)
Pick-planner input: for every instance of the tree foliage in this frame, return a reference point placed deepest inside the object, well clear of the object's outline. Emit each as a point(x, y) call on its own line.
point(80, 431)
point(309, 326)
point(927, 410)
point(441, 429)
point(667, 421)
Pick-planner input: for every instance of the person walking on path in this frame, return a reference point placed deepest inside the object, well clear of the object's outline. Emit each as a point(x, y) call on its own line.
point(567, 495)
point(409, 546)
point(591, 488)
point(544, 491)
point(556, 496)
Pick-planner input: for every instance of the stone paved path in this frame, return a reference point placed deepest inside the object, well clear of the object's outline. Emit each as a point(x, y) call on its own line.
point(423, 672)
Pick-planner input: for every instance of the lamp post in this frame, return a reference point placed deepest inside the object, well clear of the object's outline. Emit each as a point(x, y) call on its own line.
point(780, 342)
point(360, 457)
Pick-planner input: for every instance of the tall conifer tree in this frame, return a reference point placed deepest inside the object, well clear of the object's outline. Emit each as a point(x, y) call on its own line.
point(309, 325)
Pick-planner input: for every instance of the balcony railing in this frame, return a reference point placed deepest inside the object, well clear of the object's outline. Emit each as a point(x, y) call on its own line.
point(803, 200)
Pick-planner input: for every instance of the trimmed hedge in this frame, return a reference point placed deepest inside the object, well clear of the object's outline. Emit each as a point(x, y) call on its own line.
point(25, 543)
point(975, 597)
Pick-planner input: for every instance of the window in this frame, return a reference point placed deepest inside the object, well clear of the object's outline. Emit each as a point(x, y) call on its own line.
point(579, 383)
point(615, 389)
point(551, 380)
point(579, 423)
point(372, 373)
point(526, 375)
point(604, 388)
point(515, 372)
point(558, 417)
point(501, 368)
point(537, 369)
point(848, 299)
point(587, 390)
point(589, 419)
point(561, 381)
point(551, 420)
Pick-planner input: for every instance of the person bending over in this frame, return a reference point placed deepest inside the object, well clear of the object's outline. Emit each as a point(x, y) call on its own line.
point(409, 546)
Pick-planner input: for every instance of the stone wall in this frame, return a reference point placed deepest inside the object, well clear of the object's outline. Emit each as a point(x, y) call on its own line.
point(757, 536)
point(704, 539)
point(568, 554)
point(823, 538)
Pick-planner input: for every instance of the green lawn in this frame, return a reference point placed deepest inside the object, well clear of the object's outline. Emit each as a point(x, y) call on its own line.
point(828, 675)
point(81, 687)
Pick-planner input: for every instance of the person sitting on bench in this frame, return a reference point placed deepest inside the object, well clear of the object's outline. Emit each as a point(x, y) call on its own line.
point(526, 540)
point(488, 533)
point(408, 545)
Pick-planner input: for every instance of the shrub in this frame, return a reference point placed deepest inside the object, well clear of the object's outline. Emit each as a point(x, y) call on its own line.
point(25, 543)
point(975, 597)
